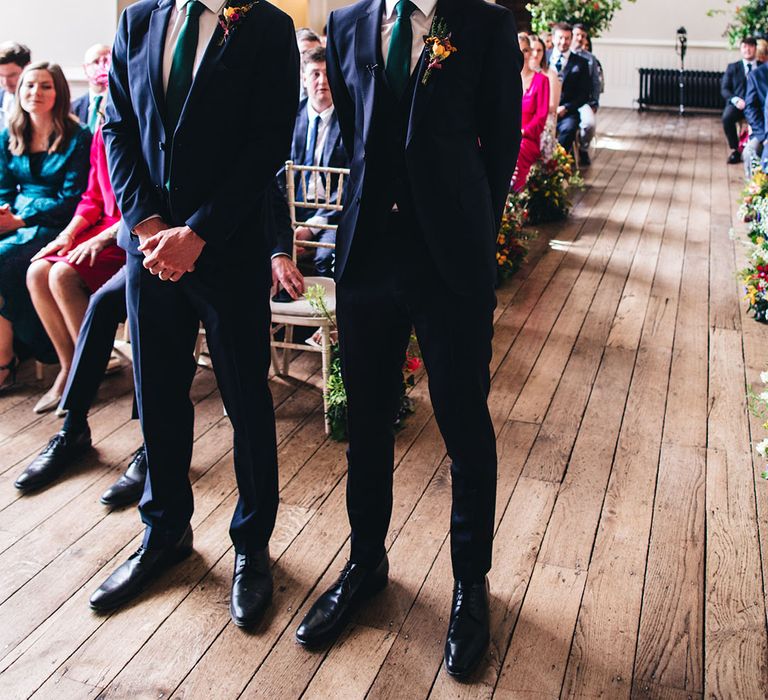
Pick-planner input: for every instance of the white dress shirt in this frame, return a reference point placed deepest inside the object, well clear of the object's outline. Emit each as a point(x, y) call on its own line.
point(92, 103)
point(208, 20)
point(555, 55)
point(735, 100)
point(6, 108)
point(315, 183)
point(421, 23)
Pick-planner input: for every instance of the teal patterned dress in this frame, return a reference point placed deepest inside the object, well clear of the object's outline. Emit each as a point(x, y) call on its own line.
point(44, 190)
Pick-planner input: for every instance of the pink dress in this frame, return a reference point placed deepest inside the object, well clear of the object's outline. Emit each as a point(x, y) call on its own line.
point(99, 208)
point(535, 111)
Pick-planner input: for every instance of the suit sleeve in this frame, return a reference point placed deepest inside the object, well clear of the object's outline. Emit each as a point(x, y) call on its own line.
point(582, 91)
point(342, 100)
point(266, 140)
point(499, 109)
point(137, 199)
point(726, 85)
point(755, 107)
point(281, 219)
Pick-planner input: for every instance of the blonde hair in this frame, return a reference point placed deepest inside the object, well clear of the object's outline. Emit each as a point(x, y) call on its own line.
point(524, 39)
point(762, 50)
point(64, 123)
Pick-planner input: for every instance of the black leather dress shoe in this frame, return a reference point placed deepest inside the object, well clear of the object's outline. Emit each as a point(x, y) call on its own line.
point(251, 588)
point(734, 158)
point(584, 159)
point(131, 577)
point(469, 628)
point(129, 487)
point(330, 613)
point(63, 449)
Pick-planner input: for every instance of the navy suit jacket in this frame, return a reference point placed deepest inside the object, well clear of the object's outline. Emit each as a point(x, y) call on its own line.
point(754, 109)
point(577, 83)
point(734, 81)
point(462, 140)
point(232, 136)
point(334, 156)
point(80, 106)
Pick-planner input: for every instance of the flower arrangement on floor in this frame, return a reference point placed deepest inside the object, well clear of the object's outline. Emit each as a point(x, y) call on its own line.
point(336, 394)
point(513, 238)
point(758, 405)
point(596, 15)
point(750, 18)
point(546, 196)
point(754, 205)
point(755, 279)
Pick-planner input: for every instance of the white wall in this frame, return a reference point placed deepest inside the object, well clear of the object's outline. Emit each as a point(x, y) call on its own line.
point(643, 36)
point(59, 30)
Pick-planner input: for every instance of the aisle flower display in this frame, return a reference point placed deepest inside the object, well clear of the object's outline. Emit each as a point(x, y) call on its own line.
point(596, 15)
point(547, 193)
point(513, 239)
point(754, 205)
point(758, 404)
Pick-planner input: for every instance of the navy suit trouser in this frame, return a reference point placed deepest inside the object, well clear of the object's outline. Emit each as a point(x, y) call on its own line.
point(106, 311)
point(731, 118)
point(382, 295)
point(566, 130)
point(231, 299)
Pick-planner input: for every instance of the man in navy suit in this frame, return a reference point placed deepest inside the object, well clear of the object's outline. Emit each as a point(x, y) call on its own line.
point(199, 120)
point(89, 108)
point(432, 136)
point(13, 59)
point(577, 84)
point(734, 91)
point(316, 142)
point(754, 112)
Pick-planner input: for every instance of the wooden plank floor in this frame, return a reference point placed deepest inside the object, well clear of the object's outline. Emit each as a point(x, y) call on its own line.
point(630, 554)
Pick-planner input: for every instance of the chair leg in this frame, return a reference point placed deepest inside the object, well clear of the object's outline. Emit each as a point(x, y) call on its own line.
point(286, 351)
point(326, 333)
point(39, 371)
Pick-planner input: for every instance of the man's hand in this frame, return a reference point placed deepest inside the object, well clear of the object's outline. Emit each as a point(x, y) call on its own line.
point(172, 253)
point(739, 104)
point(285, 273)
point(561, 112)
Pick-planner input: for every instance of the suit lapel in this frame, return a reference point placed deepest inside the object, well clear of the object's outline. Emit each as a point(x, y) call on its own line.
point(213, 53)
point(422, 94)
point(368, 60)
point(300, 135)
point(158, 23)
point(334, 131)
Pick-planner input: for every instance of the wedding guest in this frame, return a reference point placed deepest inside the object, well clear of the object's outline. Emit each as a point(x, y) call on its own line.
point(538, 62)
point(761, 54)
point(43, 172)
point(89, 108)
point(534, 115)
point(316, 142)
point(546, 38)
point(577, 87)
point(75, 264)
point(13, 59)
point(306, 39)
point(588, 111)
point(734, 91)
point(754, 111)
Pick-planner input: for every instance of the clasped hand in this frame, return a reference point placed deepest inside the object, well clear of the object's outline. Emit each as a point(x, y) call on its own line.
point(171, 253)
point(9, 222)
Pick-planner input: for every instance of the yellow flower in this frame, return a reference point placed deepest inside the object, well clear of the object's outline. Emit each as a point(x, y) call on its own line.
point(228, 12)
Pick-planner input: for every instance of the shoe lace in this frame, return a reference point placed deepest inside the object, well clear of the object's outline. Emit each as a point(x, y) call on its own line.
point(56, 441)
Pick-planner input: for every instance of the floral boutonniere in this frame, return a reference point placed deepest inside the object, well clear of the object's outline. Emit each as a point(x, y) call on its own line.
point(438, 47)
point(231, 17)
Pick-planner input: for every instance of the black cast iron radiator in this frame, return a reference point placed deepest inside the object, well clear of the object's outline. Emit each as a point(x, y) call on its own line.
point(660, 87)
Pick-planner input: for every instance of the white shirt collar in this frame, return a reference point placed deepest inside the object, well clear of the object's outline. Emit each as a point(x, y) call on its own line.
point(556, 54)
point(324, 115)
point(749, 63)
point(214, 6)
point(425, 6)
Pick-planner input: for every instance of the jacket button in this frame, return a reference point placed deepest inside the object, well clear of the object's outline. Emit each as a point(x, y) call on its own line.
point(161, 145)
point(357, 200)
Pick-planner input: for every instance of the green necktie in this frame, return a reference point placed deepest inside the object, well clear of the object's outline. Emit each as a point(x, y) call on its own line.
point(400, 47)
point(93, 120)
point(180, 78)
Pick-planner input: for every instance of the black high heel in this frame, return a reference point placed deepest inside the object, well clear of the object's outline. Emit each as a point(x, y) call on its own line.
point(12, 367)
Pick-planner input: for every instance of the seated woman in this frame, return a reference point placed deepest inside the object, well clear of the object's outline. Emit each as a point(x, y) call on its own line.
point(539, 64)
point(534, 115)
point(75, 264)
point(43, 172)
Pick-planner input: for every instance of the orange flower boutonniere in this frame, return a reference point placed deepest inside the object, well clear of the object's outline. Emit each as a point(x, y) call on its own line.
point(231, 16)
point(438, 47)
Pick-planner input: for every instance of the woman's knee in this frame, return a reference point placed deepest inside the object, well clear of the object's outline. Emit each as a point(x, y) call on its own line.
point(38, 275)
point(63, 277)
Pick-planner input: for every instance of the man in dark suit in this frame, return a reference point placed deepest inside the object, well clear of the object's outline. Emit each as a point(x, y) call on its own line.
point(199, 120)
point(89, 108)
point(13, 59)
point(432, 136)
point(316, 142)
point(577, 84)
point(734, 91)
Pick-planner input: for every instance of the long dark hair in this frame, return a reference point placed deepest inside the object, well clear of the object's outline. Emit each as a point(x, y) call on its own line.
point(65, 124)
point(535, 39)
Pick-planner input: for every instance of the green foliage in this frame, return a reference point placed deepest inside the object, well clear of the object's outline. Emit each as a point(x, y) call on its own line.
point(596, 15)
point(750, 18)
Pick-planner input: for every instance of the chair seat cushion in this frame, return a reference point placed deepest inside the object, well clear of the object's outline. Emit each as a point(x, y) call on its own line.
point(302, 307)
